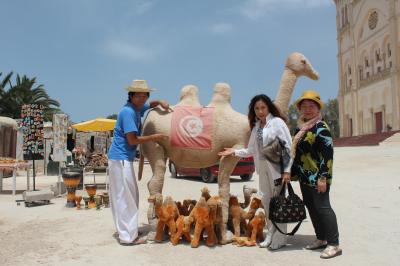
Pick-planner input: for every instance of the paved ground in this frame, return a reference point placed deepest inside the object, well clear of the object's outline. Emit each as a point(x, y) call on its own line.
point(365, 196)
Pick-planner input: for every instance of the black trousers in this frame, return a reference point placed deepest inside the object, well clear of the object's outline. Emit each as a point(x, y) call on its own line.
point(321, 213)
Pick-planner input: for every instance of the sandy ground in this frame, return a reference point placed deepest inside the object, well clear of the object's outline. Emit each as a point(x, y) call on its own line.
point(365, 196)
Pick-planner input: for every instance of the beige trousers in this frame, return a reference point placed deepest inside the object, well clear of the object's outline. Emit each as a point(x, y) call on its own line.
point(267, 174)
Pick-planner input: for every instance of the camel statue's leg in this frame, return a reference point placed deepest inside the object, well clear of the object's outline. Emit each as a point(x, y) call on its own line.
point(156, 156)
point(226, 166)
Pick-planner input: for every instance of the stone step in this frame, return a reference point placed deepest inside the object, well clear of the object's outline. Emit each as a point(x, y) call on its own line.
point(393, 140)
point(41, 195)
point(364, 140)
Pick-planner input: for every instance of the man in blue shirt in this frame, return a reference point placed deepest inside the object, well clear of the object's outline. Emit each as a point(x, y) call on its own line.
point(124, 193)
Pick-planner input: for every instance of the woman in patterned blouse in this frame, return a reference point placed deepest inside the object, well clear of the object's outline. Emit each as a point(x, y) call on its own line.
point(267, 125)
point(312, 151)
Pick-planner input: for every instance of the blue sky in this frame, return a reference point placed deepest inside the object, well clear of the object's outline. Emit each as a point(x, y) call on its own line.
point(85, 52)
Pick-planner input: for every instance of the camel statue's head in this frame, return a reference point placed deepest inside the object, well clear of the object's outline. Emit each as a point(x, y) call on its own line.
point(189, 95)
point(301, 66)
point(222, 94)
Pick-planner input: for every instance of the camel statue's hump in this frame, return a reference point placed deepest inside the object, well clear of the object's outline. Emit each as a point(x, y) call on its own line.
point(189, 96)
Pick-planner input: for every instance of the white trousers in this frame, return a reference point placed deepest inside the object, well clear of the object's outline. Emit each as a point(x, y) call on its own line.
point(267, 174)
point(124, 199)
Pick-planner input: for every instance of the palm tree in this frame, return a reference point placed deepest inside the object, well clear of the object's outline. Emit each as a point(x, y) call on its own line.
point(25, 92)
point(3, 85)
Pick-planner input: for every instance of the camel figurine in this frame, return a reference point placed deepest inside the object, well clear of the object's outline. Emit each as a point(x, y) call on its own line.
point(254, 231)
point(247, 192)
point(230, 129)
point(238, 215)
point(215, 205)
point(201, 216)
point(183, 225)
point(205, 193)
point(241, 241)
point(255, 228)
point(186, 206)
point(215, 202)
point(254, 205)
point(167, 212)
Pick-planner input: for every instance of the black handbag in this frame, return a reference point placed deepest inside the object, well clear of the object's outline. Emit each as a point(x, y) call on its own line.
point(288, 209)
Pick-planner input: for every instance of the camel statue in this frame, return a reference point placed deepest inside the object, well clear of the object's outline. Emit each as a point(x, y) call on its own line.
point(297, 65)
point(230, 129)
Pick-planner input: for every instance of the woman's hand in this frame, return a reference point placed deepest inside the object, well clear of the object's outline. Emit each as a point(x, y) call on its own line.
point(227, 152)
point(285, 178)
point(321, 185)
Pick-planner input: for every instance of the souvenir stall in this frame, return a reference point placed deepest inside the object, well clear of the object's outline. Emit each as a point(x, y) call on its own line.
point(32, 123)
point(92, 140)
point(8, 149)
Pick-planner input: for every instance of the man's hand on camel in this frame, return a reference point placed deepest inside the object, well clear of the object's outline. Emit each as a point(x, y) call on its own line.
point(158, 137)
point(227, 152)
point(165, 105)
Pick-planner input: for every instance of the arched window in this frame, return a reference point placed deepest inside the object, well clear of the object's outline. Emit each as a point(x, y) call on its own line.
point(387, 52)
point(375, 61)
point(363, 64)
point(347, 73)
point(361, 72)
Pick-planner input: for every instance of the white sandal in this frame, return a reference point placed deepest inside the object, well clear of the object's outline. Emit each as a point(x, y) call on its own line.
point(330, 252)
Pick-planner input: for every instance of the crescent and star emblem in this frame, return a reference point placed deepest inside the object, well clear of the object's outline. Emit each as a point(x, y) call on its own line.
point(191, 126)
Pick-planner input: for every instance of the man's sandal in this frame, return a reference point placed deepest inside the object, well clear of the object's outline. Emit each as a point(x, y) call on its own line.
point(137, 241)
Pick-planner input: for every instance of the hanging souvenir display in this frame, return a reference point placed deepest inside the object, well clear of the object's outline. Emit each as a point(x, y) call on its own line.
point(32, 123)
point(60, 127)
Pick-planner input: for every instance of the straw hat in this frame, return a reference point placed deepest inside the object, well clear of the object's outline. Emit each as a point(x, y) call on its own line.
point(310, 95)
point(139, 85)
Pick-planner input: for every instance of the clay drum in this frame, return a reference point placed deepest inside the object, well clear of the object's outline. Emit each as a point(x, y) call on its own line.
point(71, 181)
point(91, 191)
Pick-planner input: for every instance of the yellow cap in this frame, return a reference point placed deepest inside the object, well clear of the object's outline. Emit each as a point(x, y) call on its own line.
point(310, 95)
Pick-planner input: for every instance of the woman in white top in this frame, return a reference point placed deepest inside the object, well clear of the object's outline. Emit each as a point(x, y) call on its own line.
point(266, 125)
